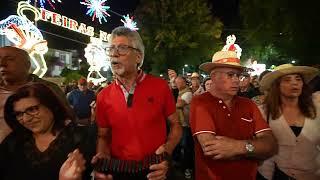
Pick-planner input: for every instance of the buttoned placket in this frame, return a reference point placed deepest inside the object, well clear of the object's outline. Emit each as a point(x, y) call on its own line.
point(224, 106)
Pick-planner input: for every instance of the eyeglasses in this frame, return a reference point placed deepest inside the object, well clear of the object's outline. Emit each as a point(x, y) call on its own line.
point(121, 50)
point(31, 111)
point(230, 74)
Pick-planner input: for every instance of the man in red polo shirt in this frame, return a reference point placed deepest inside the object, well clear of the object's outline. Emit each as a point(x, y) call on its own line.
point(132, 111)
point(229, 131)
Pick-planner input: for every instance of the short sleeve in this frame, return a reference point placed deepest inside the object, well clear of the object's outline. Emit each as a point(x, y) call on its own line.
point(260, 123)
point(169, 102)
point(101, 115)
point(201, 121)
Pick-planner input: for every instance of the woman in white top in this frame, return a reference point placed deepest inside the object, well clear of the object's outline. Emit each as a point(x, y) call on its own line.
point(295, 121)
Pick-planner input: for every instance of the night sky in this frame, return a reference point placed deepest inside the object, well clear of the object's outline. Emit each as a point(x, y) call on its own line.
point(59, 38)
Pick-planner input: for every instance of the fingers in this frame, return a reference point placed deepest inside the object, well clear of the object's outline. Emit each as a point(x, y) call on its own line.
point(159, 171)
point(98, 156)
point(101, 176)
point(78, 158)
point(161, 149)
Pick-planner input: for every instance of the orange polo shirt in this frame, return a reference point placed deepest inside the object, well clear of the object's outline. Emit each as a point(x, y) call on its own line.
point(209, 114)
point(137, 131)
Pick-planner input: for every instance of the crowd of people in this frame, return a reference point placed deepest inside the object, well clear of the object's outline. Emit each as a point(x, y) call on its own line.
point(224, 127)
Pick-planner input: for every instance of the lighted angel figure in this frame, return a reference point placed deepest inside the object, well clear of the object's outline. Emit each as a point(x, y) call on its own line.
point(25, 35)
point(97, 58)
point(231, 46)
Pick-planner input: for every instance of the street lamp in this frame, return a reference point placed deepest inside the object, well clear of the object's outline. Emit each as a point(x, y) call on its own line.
point(293, 61)
point(186, 65)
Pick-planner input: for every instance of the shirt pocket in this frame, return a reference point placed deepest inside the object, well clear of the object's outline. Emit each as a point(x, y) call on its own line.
point(246, 127)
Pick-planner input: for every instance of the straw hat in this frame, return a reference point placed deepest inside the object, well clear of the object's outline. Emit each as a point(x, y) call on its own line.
point(222, 59)
point(195, 75)
point(308, 73)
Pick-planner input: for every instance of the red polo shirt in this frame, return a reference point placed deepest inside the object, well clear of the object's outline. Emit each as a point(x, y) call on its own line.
point(209, 114)
point(136, 131)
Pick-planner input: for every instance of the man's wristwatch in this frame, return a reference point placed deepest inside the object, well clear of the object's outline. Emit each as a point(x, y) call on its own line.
point(250, 148)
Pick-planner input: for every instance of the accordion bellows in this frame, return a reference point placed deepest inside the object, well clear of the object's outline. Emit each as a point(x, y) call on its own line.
point(129, 169)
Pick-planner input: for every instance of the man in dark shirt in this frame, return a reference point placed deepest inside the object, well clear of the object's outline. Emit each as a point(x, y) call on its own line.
point(80, 100)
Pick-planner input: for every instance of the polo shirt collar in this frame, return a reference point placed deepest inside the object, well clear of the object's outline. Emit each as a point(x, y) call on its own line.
point(141, 76)
point(220, 101)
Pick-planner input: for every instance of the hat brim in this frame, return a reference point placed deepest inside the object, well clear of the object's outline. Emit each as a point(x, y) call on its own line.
point(209, 66)
point(308, 73)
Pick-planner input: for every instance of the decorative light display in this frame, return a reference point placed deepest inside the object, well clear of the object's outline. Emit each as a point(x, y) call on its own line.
point(231, 46)
point(97, 58)
point(129, 23)
point(258, 68)
point(42, 3)
point(25, 35)
point(97, 9)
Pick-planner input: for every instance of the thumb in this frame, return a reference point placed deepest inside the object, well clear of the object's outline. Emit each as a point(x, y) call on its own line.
point(161, 149)
point(219, 137)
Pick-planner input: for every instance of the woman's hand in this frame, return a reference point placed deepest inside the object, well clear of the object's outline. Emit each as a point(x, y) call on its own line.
point(73, 167)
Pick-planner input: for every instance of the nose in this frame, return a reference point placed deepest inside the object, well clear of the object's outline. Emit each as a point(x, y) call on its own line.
point(3, 62)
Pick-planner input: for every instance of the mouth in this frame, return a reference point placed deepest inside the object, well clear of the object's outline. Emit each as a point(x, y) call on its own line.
point(115, 63)
point(295, 89)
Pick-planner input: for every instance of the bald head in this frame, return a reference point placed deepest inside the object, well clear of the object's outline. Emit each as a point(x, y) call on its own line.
point(181, 82)
point(14, 64)
point(23, 55)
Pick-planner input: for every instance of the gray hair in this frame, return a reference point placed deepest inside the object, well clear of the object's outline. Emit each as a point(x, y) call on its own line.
point(133, 36)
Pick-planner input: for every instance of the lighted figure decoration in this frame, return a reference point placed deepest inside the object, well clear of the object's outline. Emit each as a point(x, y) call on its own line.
point(97, 58)
point(25, 35)
point(42, 3)
point(97, 9)
point(257, 68)
point(129, 23)
point(231, 46)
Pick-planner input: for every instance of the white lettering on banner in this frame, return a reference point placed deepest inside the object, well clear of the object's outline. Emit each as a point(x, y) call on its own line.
point(59, 20)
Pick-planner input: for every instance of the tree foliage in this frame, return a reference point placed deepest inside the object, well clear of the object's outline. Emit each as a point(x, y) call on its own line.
point(177, 32)
point(287, 27)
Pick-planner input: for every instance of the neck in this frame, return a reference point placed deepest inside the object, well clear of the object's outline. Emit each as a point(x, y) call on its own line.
point(14, 85)
point(289, 102)
point(128, 79)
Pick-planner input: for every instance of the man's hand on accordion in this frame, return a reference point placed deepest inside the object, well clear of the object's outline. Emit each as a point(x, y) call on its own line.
point(99, 175)
point(159, 171)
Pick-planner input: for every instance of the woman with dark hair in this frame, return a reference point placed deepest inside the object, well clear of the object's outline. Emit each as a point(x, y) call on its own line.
point(294, 119)
point(44, 140)
point(207, 83)
point(259, 99)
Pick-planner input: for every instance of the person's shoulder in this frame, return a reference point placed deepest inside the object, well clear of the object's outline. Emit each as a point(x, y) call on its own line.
point(155, 79)
point(201, 97)
point(35, 78)
point(106, 90)
point(11, 141)
point(244, 100)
